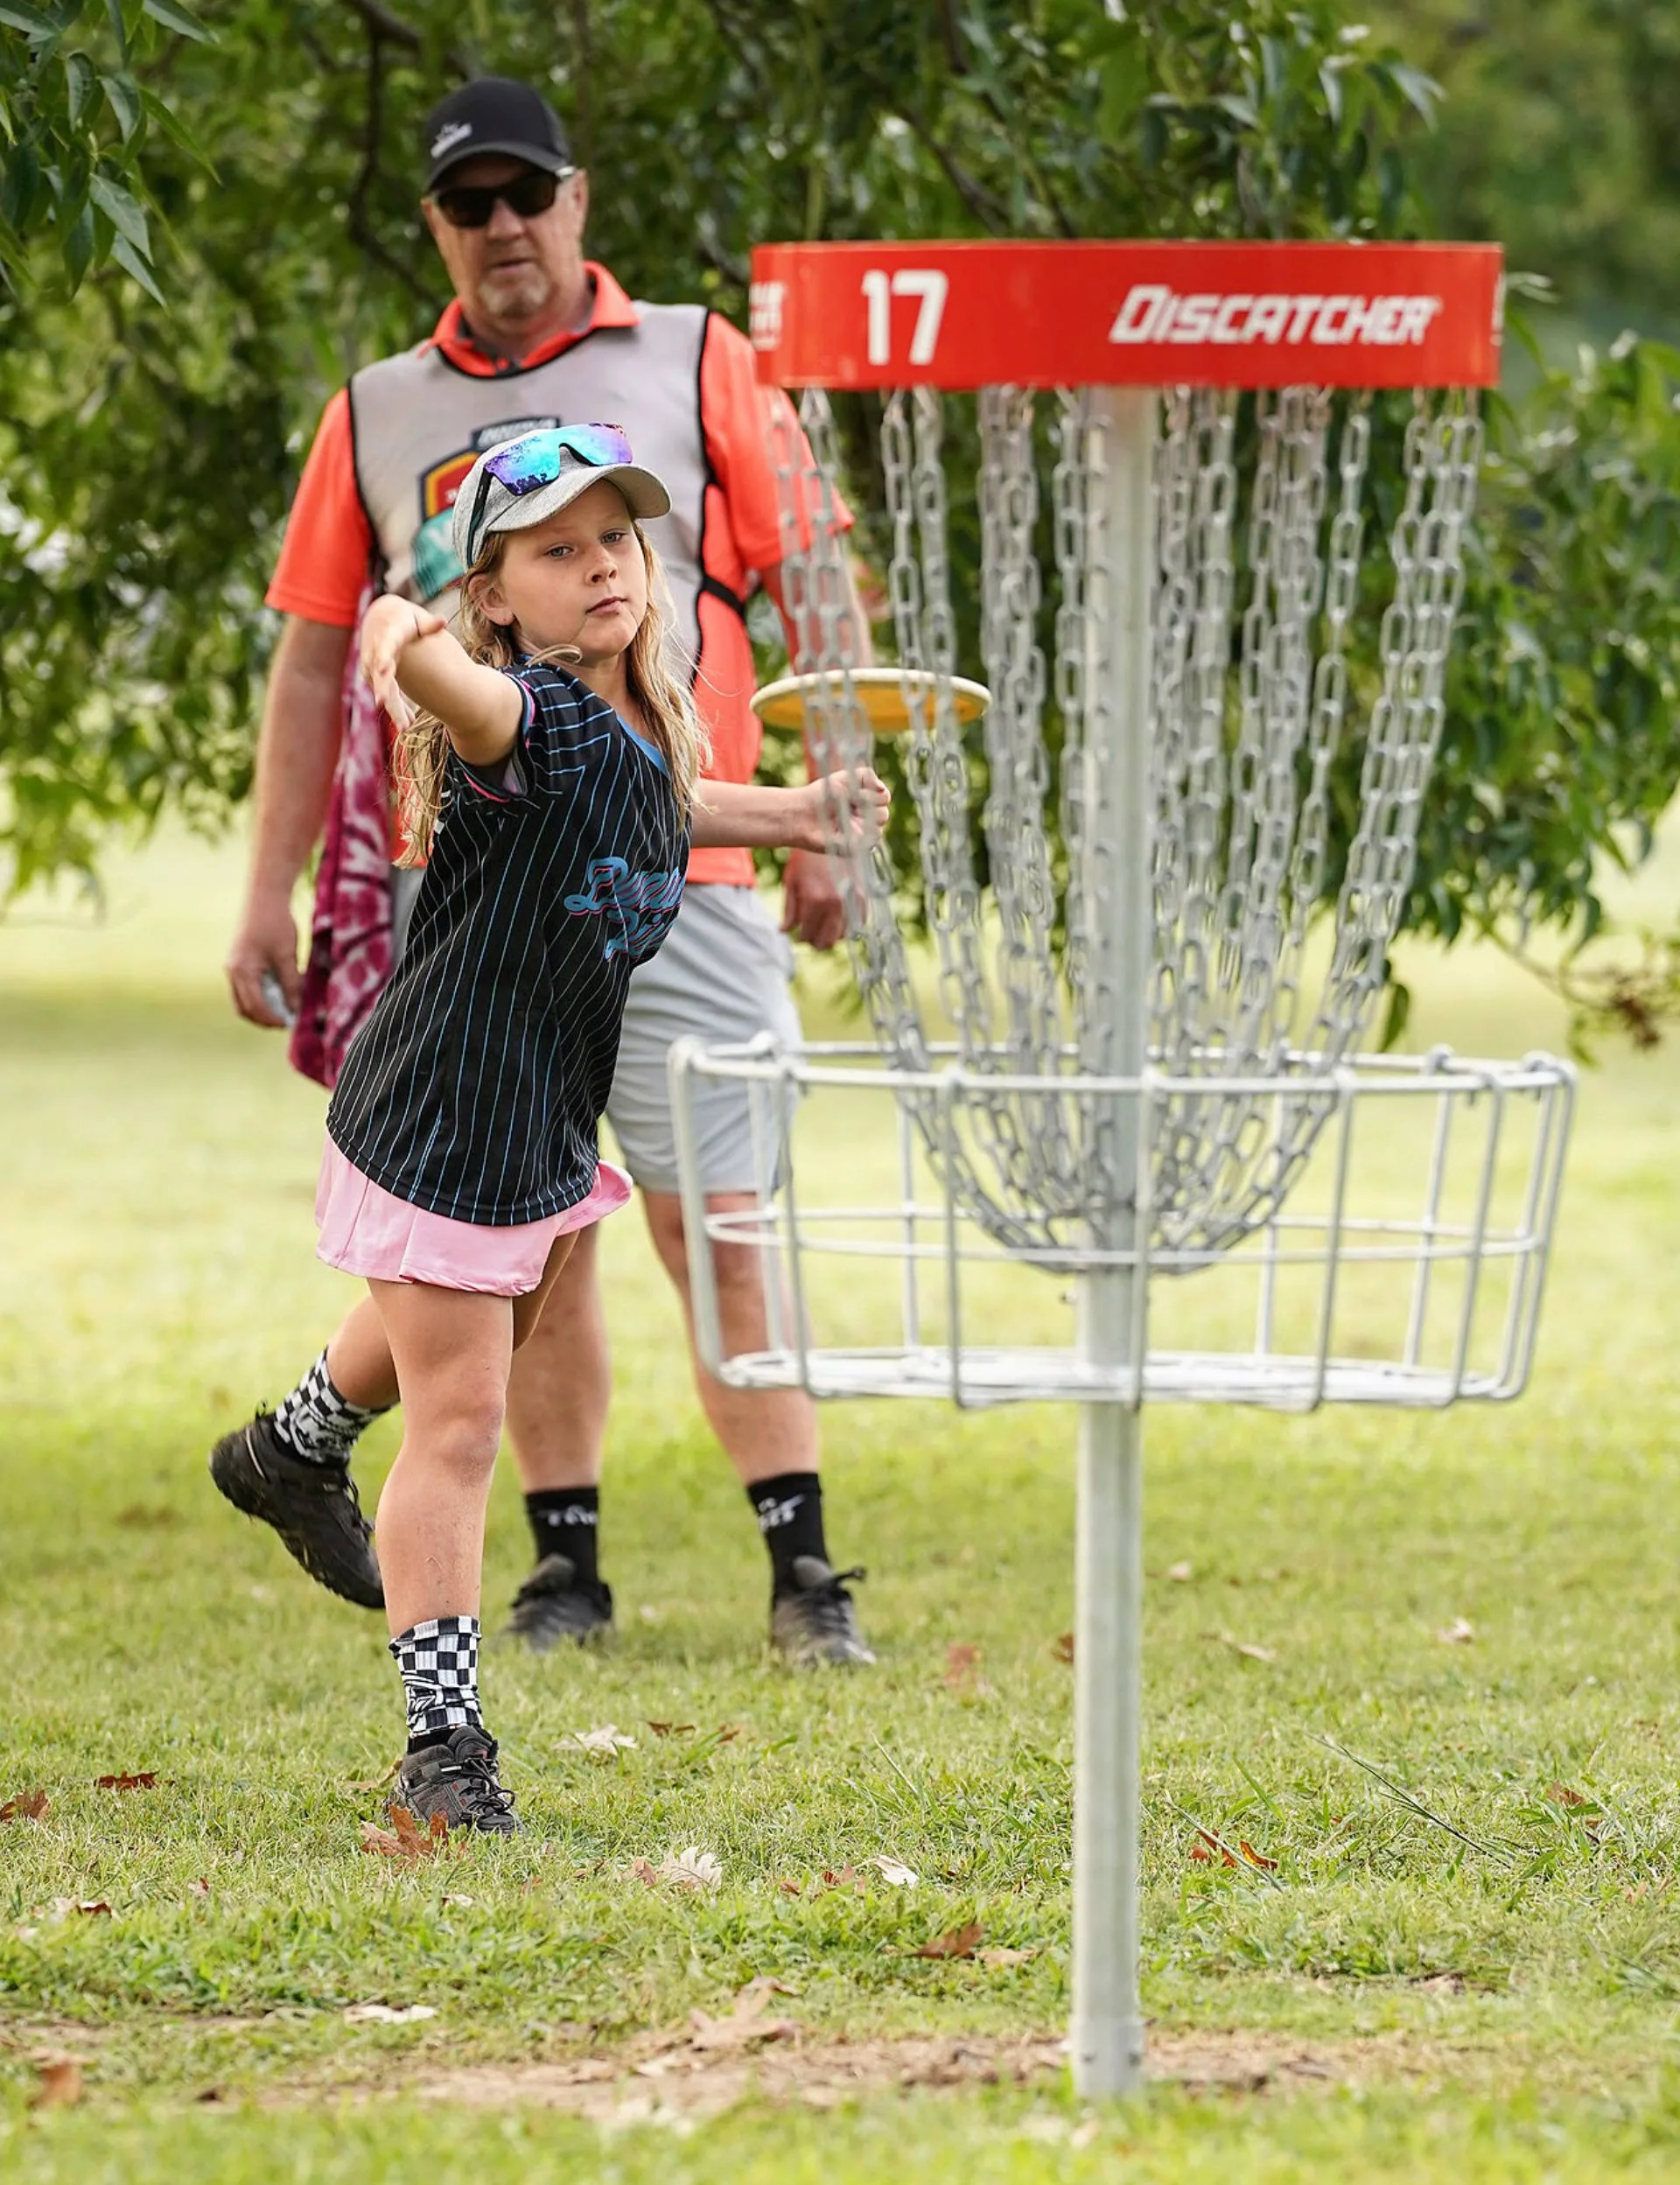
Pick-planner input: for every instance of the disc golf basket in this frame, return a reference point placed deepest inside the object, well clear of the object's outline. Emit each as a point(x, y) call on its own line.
point(1221, 494)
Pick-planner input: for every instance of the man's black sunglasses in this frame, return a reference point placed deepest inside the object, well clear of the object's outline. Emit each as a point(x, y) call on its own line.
point(527, 194)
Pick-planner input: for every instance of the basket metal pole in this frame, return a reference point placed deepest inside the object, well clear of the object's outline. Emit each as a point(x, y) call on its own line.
point(1106, 2040)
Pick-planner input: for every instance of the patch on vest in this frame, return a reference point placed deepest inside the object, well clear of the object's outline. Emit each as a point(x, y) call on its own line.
point(435, 566)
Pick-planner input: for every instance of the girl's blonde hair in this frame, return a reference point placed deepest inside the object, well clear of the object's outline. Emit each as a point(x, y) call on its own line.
point(666, 702)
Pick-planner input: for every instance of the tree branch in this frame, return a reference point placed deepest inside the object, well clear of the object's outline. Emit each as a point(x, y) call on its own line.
point(361, 229)
point(987, 208)
point(383, 25)
point(582, 78)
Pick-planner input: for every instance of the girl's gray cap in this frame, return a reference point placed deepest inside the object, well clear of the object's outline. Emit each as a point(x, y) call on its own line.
point(644, 495)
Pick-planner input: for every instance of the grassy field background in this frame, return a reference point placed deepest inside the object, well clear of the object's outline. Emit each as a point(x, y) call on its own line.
point(1388, 2000)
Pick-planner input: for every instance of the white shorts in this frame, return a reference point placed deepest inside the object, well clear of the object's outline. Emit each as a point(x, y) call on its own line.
point(722, 975)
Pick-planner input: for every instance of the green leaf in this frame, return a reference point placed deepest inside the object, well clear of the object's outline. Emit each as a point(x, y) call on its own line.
point(1395, 1016)
point(174, 127)
point(124, 95)
point(81, 82)
point(176, 19)
point(122, 210)
point(20, 186)
point(1125, 81)
point(79, 247)
point(1420, 92)
point(129, 259)
point(30, 21)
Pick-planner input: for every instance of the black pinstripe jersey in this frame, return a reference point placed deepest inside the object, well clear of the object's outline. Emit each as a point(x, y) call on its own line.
point(476, 1086)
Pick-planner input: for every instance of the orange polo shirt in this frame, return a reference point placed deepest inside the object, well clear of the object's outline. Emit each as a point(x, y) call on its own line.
point(329, 543)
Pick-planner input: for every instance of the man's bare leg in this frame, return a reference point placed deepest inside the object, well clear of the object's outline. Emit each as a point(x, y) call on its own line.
point(771, 1438)
point(764, 1433)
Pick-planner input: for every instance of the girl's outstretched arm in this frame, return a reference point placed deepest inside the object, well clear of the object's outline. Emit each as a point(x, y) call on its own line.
point(742, 816)
point(409, 655)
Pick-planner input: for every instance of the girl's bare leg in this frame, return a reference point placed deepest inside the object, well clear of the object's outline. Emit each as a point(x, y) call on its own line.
point(451, 1350)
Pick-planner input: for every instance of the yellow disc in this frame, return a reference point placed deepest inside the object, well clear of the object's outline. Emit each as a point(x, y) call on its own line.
point(880, 694)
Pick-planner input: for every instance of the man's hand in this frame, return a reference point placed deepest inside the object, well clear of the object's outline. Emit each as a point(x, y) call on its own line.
point(813, 909)
point(266, 942)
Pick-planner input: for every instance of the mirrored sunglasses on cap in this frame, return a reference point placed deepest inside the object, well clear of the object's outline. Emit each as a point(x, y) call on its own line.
point(536, 459)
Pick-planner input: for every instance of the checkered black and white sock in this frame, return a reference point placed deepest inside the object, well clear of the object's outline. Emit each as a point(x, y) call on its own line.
point(317, 1423)
point(438, 1664)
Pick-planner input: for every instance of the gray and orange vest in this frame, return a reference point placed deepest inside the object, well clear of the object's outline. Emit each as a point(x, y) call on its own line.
point(418, 423)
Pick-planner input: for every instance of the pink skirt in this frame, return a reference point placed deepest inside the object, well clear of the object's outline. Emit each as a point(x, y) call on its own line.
point(366, 1231)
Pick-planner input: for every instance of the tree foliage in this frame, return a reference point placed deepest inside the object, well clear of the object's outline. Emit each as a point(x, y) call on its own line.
point(1557, 137)
point(150, 451)
point(76, 116)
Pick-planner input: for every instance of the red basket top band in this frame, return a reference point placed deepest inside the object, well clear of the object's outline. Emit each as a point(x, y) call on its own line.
point(1135, 314)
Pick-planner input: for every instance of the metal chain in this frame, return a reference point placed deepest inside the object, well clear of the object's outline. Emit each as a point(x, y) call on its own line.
point(1253, 703)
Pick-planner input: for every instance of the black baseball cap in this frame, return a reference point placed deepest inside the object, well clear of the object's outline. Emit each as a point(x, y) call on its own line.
point(493, 114)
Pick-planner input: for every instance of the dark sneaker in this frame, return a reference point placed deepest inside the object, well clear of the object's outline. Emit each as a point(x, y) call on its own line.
point(815, 1626)
point(553, 1604)
point(313, 1506)
point(457, 1779)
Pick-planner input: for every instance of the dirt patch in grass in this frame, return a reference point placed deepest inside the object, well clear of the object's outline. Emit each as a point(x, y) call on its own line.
point(676, 2078)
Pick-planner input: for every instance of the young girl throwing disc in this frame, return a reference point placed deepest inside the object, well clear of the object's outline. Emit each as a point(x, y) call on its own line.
point(550, 782)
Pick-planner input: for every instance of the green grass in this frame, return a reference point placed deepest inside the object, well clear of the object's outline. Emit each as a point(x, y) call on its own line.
point(1502, 2012)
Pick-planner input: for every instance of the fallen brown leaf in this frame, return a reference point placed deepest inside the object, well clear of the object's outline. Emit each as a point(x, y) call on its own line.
point(645, 1873)
point(147, 1780)
point(997, 1960)
point(843, 1877)
point(672, 1729)
point(94, 1907)
point(1560, 1793)
point(1246, 1648)
point(198, 1889)
point(28, 1805)
point(959, 1942)
point(789, 1887)
point(726, 1733)
point(1063, 1647)
point(746, 2024)
point(1254, 1857)
point(963, 1672)
point(143, 1518)
point(699, 1872)
point(403, 1839)
point(58, 2084)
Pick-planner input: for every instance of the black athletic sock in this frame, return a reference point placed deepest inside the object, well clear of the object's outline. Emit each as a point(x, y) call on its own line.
point(566, 1521)
point(789, 1510)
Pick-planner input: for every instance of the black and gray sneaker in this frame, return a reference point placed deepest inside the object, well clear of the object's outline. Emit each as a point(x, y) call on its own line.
point(313, 1506)
point(553, 1604)
point(457, 1779)
point(815, 1626)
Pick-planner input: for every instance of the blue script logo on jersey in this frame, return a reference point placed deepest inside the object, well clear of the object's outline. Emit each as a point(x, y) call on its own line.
point(637, 907)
